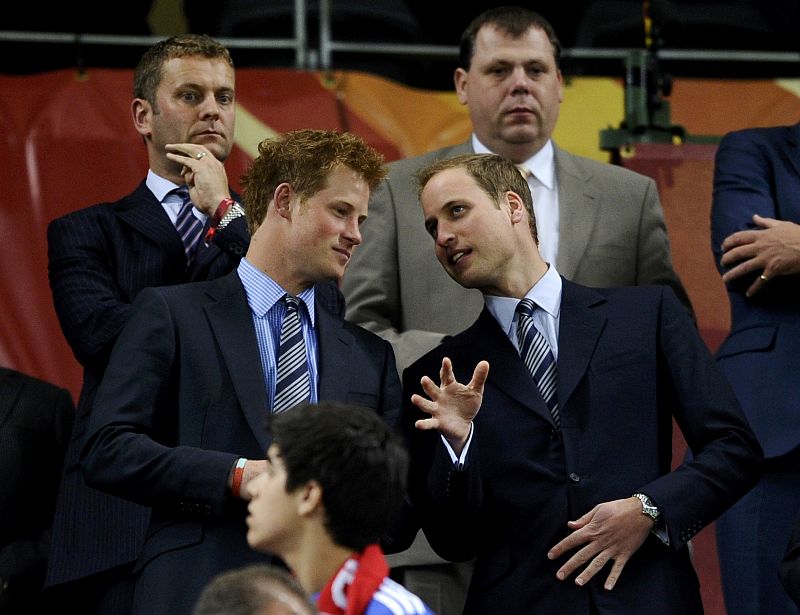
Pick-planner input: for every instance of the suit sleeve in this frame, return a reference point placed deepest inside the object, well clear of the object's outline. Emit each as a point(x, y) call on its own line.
point(743, 176)
point(392, 397)
point(445, 501)
point(726, 458)
point(232, 242)
point(131, 449)
point(90, 305)
point(47, 412)
point(655, 255)
point(372, 284)
point(234, 239)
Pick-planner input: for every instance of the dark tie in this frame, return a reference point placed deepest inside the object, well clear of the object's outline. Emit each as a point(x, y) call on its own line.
point(292, 383)
point(188, 226)
point(535, 351)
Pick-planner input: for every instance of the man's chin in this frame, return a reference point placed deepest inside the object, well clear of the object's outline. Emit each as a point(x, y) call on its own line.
point(461, 279)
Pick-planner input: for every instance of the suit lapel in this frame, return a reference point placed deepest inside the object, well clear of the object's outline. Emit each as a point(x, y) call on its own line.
point(507, 371)
point(581, 322)
point(335, 348)
point(232, 324)
point(144, 213)
point(577, 212)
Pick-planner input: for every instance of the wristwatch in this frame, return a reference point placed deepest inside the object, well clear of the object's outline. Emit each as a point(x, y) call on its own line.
point(648, 508)
point(234, 211)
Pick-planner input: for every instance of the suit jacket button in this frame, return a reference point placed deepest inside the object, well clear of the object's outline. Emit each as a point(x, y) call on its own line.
point(574, 477)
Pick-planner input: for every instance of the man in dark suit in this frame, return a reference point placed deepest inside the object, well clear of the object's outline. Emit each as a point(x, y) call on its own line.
point(570, 473)
point(600, 224)
point(755, 227)
point(101, 257)
point(179, 419)
point(35, 422)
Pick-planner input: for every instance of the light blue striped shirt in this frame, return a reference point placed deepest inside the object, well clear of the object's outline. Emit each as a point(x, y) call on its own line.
point(264, 298)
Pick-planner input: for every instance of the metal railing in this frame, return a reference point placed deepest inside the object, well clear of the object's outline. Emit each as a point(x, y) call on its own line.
point(321, 56)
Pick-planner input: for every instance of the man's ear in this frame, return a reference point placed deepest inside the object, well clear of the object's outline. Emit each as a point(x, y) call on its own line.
point(516, 206)
point(142, 111)
point(282, 197)
point(310, 499)
point(460, 81)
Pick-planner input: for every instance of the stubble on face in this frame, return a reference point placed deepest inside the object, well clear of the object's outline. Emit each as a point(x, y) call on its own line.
point(195, 104)
point(326, 231)
point(473, 234)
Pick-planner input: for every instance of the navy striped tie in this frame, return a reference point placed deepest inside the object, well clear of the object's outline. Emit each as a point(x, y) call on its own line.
point(535, 351)
point(188, 226)
point(292, 384)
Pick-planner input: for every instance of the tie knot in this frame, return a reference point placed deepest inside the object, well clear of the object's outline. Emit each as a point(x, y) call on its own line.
point(183, 193)
point(526, 307)
point(292, 303)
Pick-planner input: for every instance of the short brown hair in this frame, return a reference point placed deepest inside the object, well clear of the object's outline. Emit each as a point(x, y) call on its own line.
point(494, 174)
point(149, 70)
point(514, 21)
point(304, 159)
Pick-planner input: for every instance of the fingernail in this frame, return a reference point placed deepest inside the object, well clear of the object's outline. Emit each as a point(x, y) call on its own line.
point(550, 555)
point(578, 581)
point(560, 576)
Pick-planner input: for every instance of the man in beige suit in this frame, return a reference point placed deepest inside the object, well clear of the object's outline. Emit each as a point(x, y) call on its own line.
point(601, 225)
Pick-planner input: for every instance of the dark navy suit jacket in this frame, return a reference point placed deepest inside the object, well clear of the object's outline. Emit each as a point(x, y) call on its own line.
point(630, 360)
point(183, 397)
point(757, 171)
point(35, 422)
point(100, 258)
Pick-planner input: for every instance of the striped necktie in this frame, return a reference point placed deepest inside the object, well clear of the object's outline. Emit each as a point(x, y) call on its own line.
point(188, 226)
point(292, 383)
point(535, 351)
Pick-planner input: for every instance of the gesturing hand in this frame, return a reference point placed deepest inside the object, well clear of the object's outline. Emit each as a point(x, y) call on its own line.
point(610, 531)
point(452, 405)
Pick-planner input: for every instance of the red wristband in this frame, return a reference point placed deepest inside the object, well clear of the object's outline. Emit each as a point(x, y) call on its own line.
point(238, 473)
point(222, 209)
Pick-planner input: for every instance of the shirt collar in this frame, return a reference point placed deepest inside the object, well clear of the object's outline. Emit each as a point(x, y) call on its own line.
point(159, 186)
point(541, 164)
point(263, 292)
point(546, 294)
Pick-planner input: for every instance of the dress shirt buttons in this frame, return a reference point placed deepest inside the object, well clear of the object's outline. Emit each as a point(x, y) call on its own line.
point(574, 477)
